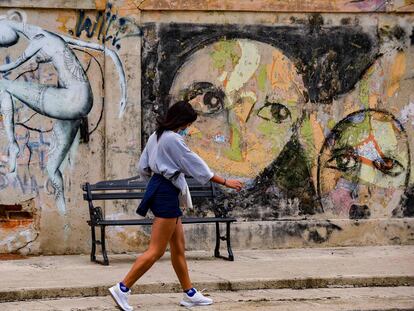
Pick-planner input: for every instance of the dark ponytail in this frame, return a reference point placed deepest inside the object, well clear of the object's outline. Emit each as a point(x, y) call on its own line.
point(178, 115)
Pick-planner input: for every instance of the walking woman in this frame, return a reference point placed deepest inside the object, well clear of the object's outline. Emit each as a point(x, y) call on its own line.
point(166, 160)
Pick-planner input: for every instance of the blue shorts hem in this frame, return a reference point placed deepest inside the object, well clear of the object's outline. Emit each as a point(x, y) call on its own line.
point(169, 215)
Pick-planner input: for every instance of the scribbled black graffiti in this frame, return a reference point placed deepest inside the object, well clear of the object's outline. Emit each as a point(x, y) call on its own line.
point(359, 212)
point(407, 203)
point(283, 189)
point(107, 26)
point(396, 34)
point(318, 232)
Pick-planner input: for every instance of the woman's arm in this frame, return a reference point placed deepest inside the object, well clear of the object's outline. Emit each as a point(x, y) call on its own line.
point(144, 169)
point(230, 183)
point(191, 164)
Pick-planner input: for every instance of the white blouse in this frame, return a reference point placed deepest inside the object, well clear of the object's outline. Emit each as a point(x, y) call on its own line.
point(171, 157)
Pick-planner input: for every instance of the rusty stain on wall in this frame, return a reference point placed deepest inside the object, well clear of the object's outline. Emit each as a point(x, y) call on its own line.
point(19, 227)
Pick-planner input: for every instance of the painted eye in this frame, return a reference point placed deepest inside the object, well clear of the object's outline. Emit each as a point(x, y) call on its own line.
point(212, 97)
point(344, 160)
point(389, 166)
point(275, 112)
point(213, 100)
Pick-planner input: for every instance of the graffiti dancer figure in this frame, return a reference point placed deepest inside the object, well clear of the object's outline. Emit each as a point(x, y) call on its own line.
point(67, 103)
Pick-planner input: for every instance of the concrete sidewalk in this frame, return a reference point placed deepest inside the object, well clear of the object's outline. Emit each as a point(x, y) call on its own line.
point(71, 276)
point(315, 299)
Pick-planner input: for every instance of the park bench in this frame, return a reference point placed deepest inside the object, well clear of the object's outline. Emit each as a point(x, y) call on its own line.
point(134, 188)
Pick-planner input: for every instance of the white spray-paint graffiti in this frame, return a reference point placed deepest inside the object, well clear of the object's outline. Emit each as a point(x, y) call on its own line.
point(66, 103)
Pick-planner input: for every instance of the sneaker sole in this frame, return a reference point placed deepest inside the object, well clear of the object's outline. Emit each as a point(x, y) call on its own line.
point(193, 304)
point(113, 295)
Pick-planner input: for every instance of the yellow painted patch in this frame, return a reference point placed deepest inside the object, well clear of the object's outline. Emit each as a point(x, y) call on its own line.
point(243, 109)
point(279, 73)
point(255, 156)
point(63, 18)
point(397, 71)
point(349, 105)
point(100, 4)
point(330, 177)
point(193, 130)
point(373, 100)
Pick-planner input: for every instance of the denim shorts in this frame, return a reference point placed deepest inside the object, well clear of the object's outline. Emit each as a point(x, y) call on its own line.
point(161, 197)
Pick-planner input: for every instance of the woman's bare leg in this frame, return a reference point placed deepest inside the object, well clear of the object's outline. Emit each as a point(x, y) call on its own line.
point(7, 110)
point(177, 248)
point(162, 230)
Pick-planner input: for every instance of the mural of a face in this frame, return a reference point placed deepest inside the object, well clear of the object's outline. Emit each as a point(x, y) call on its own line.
point(364, 166)
point(248, 96)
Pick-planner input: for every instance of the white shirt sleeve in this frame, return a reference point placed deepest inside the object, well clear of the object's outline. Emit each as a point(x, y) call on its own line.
point(144, 169)
point(189, 162)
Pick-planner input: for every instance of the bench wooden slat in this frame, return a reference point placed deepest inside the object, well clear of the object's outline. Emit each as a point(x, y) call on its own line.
point(190, 220)
point(136, 195)
point(118, 187)
point(115, 196)
point(146, 221)
point(135, 183)
point(133, 186)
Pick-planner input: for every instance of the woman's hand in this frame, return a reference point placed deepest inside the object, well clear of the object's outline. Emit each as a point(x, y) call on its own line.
point(229, 183)
point(234, 184)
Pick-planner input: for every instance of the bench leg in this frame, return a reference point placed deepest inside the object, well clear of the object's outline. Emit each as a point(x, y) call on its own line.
point(105, 256)
point(218, 238)
point(93, 249)
point(231, 256)
point(224, 238)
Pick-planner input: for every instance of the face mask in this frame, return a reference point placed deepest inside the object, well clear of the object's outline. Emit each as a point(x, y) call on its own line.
point(183, 132)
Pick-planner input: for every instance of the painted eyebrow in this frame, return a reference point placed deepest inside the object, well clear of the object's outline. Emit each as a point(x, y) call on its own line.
point(343, 149)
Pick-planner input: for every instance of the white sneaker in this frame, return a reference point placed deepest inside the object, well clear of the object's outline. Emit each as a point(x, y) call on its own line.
point(197, 300)
point(120, 297)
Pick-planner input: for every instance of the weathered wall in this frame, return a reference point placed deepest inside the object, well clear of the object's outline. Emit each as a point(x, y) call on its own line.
point(309, 103)
point(66, 76)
